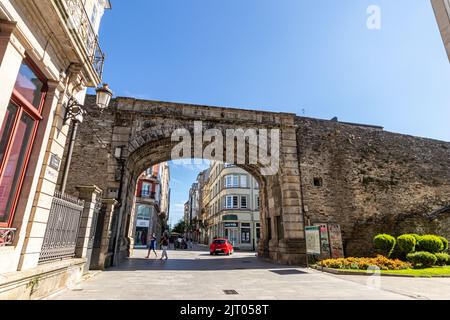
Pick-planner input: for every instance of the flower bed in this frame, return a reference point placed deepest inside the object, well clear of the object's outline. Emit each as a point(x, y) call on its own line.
point(364, 263)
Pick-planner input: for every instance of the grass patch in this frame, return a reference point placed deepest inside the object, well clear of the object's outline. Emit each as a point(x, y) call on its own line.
point(427, 272)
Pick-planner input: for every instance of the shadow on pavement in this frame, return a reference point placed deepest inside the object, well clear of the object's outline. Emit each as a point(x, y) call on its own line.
point(215, 263)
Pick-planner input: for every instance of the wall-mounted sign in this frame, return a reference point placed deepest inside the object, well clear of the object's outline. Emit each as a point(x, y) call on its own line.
point(313, 240)
point(229, 217)
point(55, 162)
point(231, 225)
point(142, 223)
point(337, 248)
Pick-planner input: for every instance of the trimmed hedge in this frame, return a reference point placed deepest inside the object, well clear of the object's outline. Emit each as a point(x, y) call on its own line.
point(445, 242)
point(415, 235)
point(430, 243)
point(385, 244)
point(407, 243)
point(442, 259)
point(422, 259)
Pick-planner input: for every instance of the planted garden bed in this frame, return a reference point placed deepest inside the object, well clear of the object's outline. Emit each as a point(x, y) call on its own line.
point(414, 256)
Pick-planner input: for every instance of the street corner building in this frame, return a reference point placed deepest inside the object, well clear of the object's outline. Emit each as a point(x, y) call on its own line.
point(224, 202)
point(152, 205)
point(49, 56)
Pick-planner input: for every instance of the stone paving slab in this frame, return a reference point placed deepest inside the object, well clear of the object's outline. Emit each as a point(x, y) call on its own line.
point(195, 275)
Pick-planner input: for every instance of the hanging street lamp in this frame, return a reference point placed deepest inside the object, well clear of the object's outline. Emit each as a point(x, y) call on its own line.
point(75, 112)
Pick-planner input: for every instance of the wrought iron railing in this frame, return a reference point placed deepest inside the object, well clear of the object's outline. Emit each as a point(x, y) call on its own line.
point(62, 228)
point(80, 25)
point(7, 236)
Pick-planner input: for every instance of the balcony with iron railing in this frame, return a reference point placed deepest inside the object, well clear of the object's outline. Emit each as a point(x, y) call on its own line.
point(84, 35)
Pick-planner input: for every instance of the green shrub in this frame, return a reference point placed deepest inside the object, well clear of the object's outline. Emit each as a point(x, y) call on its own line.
point(445, 242)
point(406, 243)
point(415, 235)
point(385, 244)
point(422, 259)
point(430, 243)
point(442, 259)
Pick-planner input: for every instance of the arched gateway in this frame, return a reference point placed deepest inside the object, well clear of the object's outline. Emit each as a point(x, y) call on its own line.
point(145, 131)
point(358, 177)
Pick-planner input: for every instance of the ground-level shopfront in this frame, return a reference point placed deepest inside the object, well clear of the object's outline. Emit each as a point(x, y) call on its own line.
point(242, 231)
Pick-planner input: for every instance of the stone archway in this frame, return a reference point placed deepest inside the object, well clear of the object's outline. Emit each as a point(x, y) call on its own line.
point(144, 130)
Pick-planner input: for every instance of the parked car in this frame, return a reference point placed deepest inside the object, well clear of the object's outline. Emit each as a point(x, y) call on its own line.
point(221, 245)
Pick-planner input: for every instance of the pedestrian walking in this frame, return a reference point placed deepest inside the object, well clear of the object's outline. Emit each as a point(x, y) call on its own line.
point(152, 246)
point(164, 245)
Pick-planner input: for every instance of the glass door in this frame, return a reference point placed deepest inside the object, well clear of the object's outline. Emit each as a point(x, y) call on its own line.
point(233, 236)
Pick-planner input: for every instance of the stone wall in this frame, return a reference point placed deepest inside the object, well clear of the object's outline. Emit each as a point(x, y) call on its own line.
point(369, 180)
point(92, 151)
point(373, 181)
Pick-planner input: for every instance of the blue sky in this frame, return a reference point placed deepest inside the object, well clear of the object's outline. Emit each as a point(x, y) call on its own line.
point(312, 58)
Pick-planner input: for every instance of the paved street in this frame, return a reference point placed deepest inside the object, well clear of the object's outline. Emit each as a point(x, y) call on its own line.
point(195, 275)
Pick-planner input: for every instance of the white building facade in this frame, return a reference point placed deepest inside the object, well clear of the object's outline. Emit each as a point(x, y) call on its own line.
point(49, 54)
point(232, 206)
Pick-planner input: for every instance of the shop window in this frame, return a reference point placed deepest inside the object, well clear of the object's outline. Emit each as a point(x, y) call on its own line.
point(18, 130)
point(245, 235)
point(29, 86)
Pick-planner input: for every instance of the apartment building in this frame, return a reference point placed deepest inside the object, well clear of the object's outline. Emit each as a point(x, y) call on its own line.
point(152, 204)
point(231, 206)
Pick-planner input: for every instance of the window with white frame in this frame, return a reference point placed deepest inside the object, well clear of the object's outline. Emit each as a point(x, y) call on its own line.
point(236, 181)
point(232, 202)
point(228, 181)
point(244, 202)
point(244, 181)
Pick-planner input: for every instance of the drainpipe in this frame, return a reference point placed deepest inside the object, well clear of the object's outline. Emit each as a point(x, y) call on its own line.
point(114, 259)
point(72, 138)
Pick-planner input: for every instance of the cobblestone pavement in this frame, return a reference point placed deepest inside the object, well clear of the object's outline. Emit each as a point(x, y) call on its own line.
point(195, 275)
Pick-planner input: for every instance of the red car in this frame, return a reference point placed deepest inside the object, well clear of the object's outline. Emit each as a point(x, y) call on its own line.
point(221, 245)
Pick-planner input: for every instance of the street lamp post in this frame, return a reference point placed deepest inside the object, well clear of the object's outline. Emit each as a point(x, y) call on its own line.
point(75, 112)
point(118, 154)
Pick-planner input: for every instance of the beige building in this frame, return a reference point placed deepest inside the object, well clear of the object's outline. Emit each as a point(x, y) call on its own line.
point(442, 12)
point(152, 204)
point(49, 55)
point(231, 206)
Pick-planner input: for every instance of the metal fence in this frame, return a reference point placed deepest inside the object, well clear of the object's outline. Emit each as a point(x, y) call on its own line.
point(62, 228)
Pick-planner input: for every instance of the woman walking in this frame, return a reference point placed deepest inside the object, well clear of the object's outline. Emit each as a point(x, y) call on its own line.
point(152, 246)
point(164, 245)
